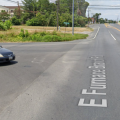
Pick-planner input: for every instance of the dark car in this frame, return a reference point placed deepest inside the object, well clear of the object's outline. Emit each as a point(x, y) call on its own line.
point(6, 55)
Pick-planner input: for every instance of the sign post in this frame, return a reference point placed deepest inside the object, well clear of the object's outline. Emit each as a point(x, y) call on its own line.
point(66, 23)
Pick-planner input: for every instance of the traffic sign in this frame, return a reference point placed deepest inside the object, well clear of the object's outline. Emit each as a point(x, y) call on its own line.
point(66, 23)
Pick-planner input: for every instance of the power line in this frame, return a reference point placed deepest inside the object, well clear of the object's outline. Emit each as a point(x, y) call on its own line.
point(104, 8)
point(13, 1)
point(102, 0)
point(107, 5)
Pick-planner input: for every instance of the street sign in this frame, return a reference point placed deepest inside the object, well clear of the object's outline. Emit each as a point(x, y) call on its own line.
point(66, 23)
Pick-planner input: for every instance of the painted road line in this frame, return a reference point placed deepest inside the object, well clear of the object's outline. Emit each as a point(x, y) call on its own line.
point(98, 83)
point(112, 36)
point(92, 103)
point(94, 92)
point(96, 33)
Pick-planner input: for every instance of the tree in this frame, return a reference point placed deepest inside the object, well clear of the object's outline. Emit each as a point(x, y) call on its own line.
point(96, 16)
point(4, 15)
point(101, 20)
point(42, 12)
point(63, 7)
point(30, 6)
point(65, 17)
point(45, 5)
point(25, 16)
point(79, 6)
point(106, 20)
point(18, 13)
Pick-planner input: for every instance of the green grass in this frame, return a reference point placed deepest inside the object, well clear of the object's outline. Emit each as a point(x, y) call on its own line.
point(40, 37)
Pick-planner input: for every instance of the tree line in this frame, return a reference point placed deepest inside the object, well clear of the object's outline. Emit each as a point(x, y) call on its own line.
point(44, 13)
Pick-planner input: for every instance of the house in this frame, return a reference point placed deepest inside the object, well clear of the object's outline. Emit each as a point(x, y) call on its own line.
point(4, 8)
point(9, 9)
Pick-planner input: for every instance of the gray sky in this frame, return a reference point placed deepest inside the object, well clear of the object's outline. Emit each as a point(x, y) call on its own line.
point(106, 13)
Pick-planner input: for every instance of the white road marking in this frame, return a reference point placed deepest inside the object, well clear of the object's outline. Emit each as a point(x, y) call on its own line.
point(94, 92)
point(96, 33)
point(92, 103)
point(96, 86)
point(98, 82)
point(112, 36)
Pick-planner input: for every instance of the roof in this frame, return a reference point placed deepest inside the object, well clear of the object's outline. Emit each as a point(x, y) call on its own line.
point(3, 7)
point(11, 7)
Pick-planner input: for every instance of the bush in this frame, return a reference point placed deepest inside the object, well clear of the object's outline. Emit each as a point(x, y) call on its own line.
point(43, 33)
point(32, 22)
point(35, 37)
point(82, 23)
point(51, 38)
point(1, 36)
point(8, 24)
point(26, 33)
point(16, 21)
point(22, 33)
point(2, 26)
point(54, 33)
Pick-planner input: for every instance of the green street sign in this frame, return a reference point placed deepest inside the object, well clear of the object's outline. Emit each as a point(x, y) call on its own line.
point(66, 23)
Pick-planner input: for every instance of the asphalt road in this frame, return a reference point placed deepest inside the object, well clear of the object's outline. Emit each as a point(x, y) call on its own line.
point(78, 80)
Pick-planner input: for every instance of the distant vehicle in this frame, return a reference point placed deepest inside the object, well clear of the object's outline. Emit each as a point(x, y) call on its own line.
point(6, 55)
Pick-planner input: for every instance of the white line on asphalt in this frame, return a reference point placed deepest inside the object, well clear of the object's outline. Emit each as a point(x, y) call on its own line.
point(96, 33)
point(92, 103)
point(112, 36)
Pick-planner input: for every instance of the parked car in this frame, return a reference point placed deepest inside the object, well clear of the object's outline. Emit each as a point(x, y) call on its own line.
point(6, 55)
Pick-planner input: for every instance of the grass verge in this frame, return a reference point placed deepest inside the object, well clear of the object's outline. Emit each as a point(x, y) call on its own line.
point(25, 36)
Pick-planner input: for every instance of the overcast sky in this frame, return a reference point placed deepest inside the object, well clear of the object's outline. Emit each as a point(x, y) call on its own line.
point(106, 13)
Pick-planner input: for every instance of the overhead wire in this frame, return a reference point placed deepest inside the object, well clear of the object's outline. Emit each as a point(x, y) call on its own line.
point(13, 1)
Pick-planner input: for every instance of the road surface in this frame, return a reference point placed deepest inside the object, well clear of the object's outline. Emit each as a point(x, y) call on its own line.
point(77, 80)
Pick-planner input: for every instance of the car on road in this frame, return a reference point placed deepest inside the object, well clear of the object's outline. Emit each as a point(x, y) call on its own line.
point(6, 55)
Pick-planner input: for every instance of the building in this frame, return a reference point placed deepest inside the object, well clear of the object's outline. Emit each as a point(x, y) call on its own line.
point(4, 8)
point(9, 9)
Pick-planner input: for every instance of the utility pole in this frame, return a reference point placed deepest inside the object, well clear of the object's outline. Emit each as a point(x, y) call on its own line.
point(88, 17)
point(73, 19)
point(18, 9)
point(57, 14)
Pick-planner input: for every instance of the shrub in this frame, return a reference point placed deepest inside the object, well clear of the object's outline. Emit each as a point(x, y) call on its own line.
point(8, 24)
point(56, 38)
point(16, 21)
point(2, 26)
point(43, 33)
point(22, 33)
point(82, 23)
point(26, 33)
point(1, 36)
point(32, 22)
point(54, 33)
point(35, 37)
point(51, 38)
